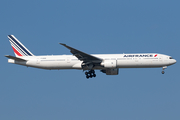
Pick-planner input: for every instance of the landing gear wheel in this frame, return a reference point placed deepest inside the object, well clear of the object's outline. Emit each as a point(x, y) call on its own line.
point(90, 74)
point(163, 72)
point(94, 75)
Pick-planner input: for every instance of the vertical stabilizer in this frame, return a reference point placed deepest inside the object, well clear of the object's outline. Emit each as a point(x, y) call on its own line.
point(18, 48)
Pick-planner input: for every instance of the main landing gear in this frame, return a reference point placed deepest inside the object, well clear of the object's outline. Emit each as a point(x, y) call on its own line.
point(90, 74)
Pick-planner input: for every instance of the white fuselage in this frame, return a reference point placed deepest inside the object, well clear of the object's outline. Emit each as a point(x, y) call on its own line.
point(106, 63)
point(142, 60)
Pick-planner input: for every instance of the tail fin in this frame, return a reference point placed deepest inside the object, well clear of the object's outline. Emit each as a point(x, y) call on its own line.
point(18, 47)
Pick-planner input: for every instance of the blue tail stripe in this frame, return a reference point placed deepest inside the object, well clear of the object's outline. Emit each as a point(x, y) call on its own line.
point(20, 45)
point(17, 47)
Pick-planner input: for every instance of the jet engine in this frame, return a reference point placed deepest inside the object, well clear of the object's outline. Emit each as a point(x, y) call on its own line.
point(109, 64)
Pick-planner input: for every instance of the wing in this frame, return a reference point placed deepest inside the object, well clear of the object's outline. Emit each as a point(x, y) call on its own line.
point(86, 58)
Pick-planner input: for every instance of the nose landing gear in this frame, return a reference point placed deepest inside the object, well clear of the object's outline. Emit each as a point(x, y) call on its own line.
point(163, 69)
point(90, 74)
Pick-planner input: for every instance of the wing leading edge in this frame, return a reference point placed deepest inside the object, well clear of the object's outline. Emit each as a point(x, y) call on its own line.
point(86, 58)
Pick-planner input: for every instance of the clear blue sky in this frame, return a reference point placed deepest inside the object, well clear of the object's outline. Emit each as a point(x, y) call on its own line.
point(95, 26)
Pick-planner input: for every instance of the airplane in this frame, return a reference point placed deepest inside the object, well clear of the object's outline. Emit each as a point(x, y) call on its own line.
point(106, 63)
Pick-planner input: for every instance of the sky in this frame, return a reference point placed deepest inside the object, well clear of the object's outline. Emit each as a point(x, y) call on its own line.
point(94, 27)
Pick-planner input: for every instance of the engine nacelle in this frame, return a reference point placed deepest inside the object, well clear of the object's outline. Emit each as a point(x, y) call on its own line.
point(111, 71)
point(109, 63)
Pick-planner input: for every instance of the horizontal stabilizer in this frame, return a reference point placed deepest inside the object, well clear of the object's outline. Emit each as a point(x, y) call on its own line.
point(15, 58)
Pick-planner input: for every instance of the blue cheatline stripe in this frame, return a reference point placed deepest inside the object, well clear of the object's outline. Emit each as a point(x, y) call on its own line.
point(17, 48)
point(20, 45)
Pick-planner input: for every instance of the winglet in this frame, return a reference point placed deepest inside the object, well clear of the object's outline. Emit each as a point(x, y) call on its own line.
point(62, 43)
point(70, 48)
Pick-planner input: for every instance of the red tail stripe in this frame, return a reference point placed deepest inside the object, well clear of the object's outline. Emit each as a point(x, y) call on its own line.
point(17, 53)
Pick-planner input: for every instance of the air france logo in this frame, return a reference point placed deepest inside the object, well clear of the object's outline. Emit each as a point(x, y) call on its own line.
point(147, 55)
point(155, 55)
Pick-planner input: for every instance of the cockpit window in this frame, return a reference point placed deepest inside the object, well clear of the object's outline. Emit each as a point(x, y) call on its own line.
point(170, 58)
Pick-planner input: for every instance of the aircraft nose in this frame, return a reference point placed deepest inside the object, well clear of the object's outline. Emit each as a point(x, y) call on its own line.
point(173, 61)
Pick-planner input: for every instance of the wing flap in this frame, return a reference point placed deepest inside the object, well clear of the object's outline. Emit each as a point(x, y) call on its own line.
point(14, 58)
